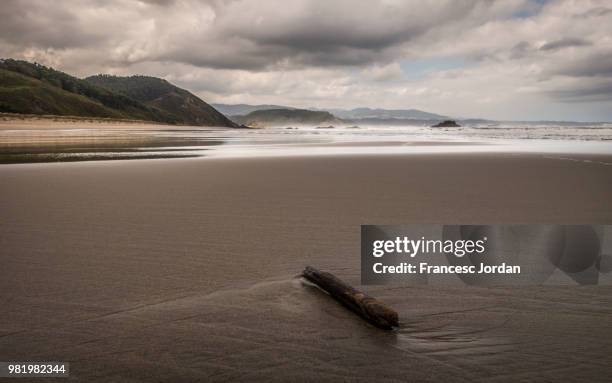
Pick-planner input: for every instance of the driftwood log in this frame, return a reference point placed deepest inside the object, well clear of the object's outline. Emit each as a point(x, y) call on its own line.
point(370, 309)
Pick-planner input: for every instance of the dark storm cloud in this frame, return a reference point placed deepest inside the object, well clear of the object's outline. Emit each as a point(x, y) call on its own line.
point(595, 12)
point(237, 55)
point(585, 92)
point(591, 65)
point(164, 3)
point(43, 24)
point(327, 26)
point(590, 77)
point(564, 43)
point(520, 50)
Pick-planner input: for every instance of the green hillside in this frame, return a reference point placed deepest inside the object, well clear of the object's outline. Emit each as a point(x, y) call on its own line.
point(162, 95)
point(35, 89)
point(21, 94)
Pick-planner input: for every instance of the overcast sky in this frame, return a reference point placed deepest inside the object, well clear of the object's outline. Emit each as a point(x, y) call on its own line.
point(511, 59)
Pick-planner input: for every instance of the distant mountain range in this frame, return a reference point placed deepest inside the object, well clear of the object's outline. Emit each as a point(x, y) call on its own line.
point(35, 89)
point(252, 114)
point(242, 109)
point(385, 114)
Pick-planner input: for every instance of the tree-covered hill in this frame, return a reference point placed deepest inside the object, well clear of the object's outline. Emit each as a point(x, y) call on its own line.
point(160, 94)
point(36, 89)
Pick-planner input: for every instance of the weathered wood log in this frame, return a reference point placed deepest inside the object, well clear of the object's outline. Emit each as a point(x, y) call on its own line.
point(372, 310)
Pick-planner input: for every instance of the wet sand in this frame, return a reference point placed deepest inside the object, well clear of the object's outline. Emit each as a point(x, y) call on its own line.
point(185, 269)
point(61, 139)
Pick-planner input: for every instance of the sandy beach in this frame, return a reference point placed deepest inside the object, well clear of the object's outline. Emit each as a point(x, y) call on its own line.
point(185, 269)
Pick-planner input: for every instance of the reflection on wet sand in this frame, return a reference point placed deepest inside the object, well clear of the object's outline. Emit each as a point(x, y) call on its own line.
point(50, 145)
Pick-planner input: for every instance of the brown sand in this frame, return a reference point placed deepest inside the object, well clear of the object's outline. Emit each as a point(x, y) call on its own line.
point(183, 270)
point(35, 121)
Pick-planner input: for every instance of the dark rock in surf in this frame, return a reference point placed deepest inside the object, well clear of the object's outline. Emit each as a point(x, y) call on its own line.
point(446, 124)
